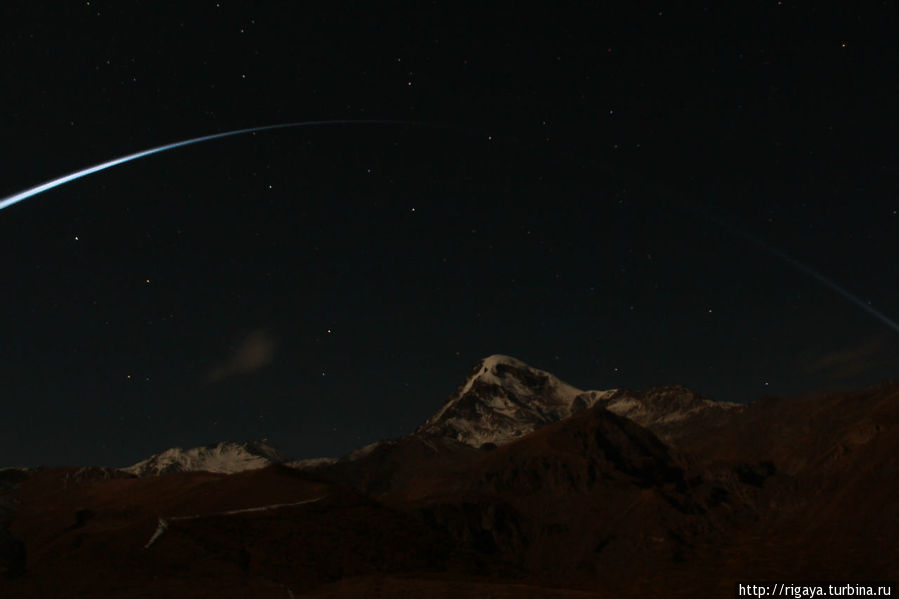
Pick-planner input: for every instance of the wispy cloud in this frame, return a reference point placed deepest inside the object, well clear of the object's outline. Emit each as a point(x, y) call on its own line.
point(870, 354)
point(253, 353)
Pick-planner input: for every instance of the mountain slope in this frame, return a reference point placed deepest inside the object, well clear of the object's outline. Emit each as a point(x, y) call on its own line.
point(268, 533)
point(670, 411)
point(605, 489)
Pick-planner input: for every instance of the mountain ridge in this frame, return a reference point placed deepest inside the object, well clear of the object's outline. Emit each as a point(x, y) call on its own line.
point(502, 399)
point(592, 505)
point(225, 457)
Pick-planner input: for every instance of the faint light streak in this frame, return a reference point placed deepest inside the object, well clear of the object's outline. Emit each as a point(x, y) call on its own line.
point(796, 264)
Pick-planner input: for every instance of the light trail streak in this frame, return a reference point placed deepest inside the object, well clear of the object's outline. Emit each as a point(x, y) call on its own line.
point(53, 183)
point(803, 268)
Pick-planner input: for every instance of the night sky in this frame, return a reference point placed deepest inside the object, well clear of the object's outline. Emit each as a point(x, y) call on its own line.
point(625, 196)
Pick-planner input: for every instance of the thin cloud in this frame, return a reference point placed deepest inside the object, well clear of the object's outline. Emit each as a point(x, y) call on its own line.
point(253, 353)
point(868, 355)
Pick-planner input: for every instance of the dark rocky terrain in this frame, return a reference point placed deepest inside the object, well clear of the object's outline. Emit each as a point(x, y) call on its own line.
point(659, 493)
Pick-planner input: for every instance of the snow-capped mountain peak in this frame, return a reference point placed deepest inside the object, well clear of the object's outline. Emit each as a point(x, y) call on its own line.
point(502, 399)
point(225, 457)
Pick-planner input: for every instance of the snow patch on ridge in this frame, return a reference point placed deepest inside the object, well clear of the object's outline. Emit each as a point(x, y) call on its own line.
point(667, 410)
point(226, 457)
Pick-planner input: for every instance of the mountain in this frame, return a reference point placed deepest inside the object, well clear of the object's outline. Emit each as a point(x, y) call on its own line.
point(605, 489)
point(520, 486)
point(821, 473)
point(500, 400)
point(671, 411)
point(503, 398)
point(225, 457)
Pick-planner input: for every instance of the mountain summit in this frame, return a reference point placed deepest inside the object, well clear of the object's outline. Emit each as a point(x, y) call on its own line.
point(502, 399)
point(226, 457)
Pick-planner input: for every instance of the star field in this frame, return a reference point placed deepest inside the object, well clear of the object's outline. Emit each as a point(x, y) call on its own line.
point(581, 197)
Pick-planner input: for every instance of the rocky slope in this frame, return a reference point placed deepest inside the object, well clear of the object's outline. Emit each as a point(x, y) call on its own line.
point(670, 411)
